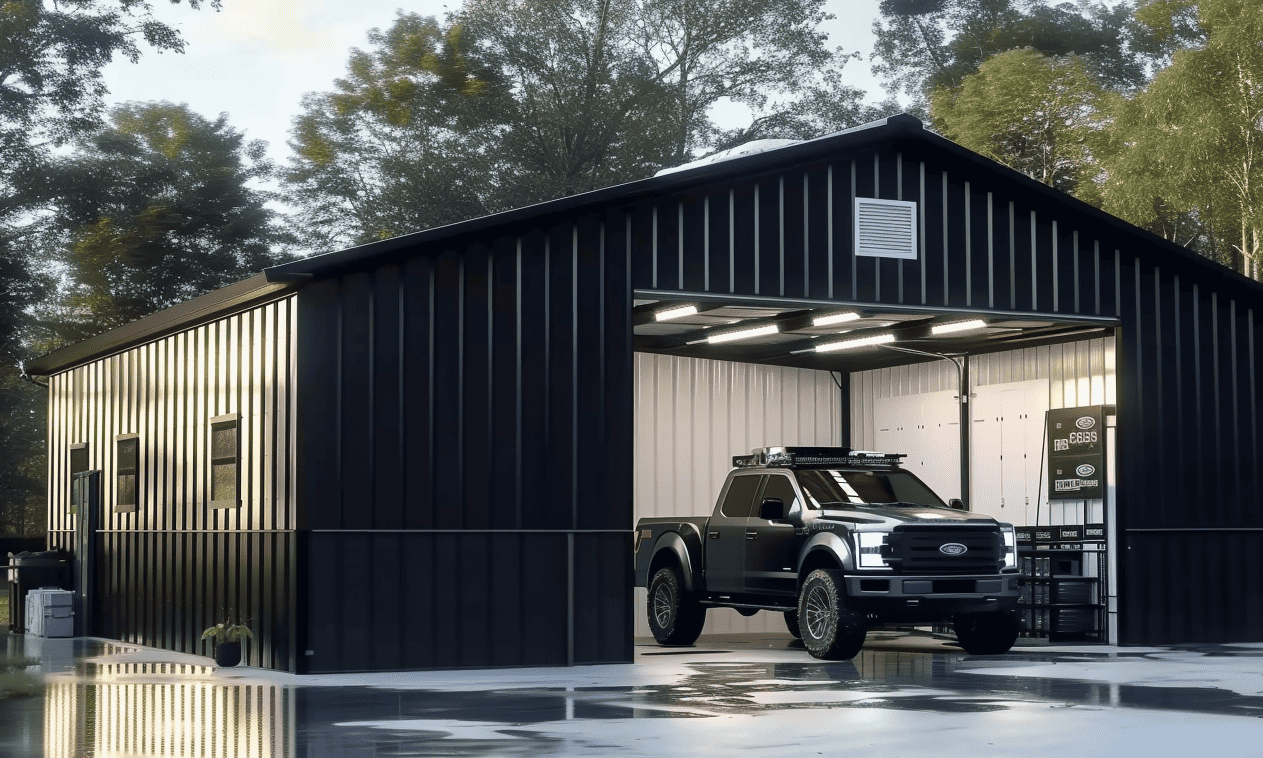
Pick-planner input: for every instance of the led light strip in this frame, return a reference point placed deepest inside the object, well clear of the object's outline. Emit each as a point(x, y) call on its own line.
point(744, 334)
point(958, 326)
point(681, 312)
point(837, 318)
point(876, 339)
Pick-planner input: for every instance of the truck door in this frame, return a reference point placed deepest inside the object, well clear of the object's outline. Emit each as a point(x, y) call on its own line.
point(771, 544)
point(726, 535)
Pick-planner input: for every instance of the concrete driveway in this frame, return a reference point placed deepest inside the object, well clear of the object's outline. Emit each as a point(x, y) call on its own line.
point(904, 695)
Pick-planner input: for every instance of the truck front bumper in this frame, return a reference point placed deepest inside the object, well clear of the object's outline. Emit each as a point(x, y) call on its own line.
point(932, 598)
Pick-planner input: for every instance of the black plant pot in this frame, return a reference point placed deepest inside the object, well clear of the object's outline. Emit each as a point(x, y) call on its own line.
point(228, 653)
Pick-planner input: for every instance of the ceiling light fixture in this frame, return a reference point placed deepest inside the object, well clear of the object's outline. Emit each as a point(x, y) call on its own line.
point(744, 334)
point(958, 326)
point(837, 318)
point(876, 339)
point(680, 312)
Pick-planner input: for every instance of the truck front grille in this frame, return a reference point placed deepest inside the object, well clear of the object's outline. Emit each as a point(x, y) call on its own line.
point(917, 549)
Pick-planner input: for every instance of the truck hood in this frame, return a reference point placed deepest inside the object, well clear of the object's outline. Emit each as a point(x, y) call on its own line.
point(893, 515)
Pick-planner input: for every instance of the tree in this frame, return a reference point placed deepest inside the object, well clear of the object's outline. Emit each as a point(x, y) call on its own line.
point(51, 56)
point(156, 209)
point(1043, 116)
point(511, 104)
point(926, 45)
point(1192, 142)
point(584, 71)
point(406, 141)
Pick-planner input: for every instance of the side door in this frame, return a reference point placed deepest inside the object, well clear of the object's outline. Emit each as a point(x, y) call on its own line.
point(771, 539)
point(85, 501)
point(726, 535)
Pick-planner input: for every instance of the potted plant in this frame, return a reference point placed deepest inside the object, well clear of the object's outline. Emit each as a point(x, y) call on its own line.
point(227, 637)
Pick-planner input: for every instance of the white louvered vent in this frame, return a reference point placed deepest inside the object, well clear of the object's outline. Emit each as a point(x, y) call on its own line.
point(885, 228)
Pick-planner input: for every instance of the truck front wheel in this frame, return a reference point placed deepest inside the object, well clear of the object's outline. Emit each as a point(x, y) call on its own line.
point(986, 633)
point(675, 618)
point(830, 630)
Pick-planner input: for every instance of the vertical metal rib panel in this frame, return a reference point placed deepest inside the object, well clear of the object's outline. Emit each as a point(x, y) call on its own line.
point(172, 567)
point(495, 392)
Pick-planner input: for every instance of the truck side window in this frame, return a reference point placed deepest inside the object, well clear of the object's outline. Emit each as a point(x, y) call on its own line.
point(740, 500)
point(781, 488)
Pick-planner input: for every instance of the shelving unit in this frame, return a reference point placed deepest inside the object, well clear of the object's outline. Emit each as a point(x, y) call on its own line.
point(1063, 597)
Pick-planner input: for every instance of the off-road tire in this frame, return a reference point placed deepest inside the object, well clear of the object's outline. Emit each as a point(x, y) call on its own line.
point(986, 633)
point(791, 623)
point(675, 616)
point(830, 630)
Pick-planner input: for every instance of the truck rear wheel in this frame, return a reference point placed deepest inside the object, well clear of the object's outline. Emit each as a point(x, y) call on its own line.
point(830, 630)
point(986, 633)
point(675, 618)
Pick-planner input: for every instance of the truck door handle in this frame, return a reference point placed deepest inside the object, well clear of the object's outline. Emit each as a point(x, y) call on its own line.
point(752, 535)
point(713, 535)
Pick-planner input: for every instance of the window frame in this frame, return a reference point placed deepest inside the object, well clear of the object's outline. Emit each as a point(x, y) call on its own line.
point(120, 472)
point(218, 424)
point(75, 450)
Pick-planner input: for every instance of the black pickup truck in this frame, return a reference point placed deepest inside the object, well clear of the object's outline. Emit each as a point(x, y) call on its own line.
point(838, 540)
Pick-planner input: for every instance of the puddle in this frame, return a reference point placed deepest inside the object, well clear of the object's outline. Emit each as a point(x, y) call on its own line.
point(103, 699)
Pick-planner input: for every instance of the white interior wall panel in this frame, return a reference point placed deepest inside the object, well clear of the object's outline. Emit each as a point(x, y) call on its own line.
point(693, 415)
point(1011, 390)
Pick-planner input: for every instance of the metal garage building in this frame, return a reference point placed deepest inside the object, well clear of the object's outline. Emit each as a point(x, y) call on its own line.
point(423, 452)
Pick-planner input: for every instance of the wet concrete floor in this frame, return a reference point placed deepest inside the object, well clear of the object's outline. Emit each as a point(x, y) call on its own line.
point(761, 695)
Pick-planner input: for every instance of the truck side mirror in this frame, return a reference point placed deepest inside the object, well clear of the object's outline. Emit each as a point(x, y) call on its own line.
point(957, 504)
point(772, 509)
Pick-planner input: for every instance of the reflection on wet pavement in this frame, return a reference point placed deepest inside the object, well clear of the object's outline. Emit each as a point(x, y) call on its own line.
point(103, 699)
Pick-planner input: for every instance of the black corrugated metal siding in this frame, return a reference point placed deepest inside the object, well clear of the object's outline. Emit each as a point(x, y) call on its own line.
point(1191, 507)
point(174, 565)
point(465, 438)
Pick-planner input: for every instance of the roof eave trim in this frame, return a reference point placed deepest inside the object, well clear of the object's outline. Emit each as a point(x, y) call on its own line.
point(199, 310)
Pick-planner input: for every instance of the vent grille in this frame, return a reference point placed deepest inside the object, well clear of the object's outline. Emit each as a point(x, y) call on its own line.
point(885, 228)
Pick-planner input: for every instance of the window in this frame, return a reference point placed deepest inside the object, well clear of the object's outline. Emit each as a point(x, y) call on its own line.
point(126, 467)
point(780, 487)
point(740, 499)
point(78, 464)
point(224, 461)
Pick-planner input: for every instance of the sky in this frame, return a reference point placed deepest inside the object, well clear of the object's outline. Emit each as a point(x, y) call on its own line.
point(255, 59)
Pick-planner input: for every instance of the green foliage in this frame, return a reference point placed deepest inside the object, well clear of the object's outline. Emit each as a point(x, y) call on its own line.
point(403, 143)
point(51, 92)
point(227, 631)
point(512, 104)
point(925, 46)
point(156, 209)
point(1040, 115)
point(1190, 147)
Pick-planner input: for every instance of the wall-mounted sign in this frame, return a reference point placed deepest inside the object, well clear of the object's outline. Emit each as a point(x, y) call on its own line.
point(1076, 453)
point(1074, 431)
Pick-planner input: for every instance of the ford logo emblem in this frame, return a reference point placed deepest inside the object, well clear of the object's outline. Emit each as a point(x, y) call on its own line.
point(952, 548)
point(1085, 422)
point(1085, 469)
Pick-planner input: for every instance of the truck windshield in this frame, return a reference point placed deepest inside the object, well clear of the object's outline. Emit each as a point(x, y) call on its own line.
point(826, 487)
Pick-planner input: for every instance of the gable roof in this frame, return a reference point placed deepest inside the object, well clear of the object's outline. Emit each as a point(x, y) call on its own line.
point(282, 279)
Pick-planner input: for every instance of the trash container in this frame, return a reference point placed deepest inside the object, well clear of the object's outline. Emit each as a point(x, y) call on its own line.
point(31, 571)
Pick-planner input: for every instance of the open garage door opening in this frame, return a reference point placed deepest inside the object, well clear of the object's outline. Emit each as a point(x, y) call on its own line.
point(720, 377)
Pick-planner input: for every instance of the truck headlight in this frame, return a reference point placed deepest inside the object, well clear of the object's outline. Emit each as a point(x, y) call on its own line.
point(873, 548)
point(1010, 546)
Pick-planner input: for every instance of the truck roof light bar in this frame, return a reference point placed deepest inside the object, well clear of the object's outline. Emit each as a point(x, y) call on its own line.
point(790, 457)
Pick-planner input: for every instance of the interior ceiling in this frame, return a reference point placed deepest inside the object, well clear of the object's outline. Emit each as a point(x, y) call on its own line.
point(796, 337)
